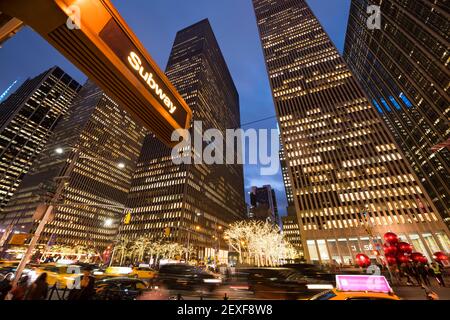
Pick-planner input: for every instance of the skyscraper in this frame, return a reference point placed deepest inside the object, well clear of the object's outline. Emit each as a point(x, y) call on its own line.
point(350, 181)
point(104, 143)
point(27, 120)
point(263, 205)
point(403, 67)
point(196, 201)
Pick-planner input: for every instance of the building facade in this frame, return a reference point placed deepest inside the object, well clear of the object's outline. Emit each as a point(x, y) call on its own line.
point(350, 181)
point(403, 67)
point(263, 205)
point(291, 232)
point(103, 143)
point(27, 120)
point(195, 201)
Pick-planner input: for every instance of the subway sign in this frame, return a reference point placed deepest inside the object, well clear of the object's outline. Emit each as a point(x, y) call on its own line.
point(95, 38)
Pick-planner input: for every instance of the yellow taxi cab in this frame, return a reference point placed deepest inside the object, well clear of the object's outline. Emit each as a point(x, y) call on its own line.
point(143, 272)
point(61, 275)
point(359, 287)
point(8, 263)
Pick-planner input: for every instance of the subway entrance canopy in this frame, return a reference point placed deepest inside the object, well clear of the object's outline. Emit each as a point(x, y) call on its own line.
point(102, 46)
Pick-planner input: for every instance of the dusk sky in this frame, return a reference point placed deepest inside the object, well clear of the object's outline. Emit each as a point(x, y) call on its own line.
point(156, 22)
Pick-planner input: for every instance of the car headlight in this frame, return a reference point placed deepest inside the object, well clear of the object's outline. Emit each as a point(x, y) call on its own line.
point(212, 280)
point(319, 286)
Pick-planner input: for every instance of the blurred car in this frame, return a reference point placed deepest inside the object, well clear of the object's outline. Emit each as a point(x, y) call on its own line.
point(359, 287)
point(313, 273)
point(60, 275)
point(186, 277)
point(112, 272)
point(120, 289)
point(282, 283)
point(274, 283)
point(142, 272)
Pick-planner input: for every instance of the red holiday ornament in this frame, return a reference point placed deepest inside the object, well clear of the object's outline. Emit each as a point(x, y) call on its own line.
point(440, 256)
point(362, 260)
point(390, 250)
point(391, 238)
point(404, 247)
point(416, 256)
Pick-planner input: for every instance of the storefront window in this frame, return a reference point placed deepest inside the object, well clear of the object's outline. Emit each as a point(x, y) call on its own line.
point(367, 246)
point(343, 248)
point(332, 246)
point(354, 246)
point(312, 249)
point(325, 257)
point(443, 239)
point(418, 245)
point(432, 244)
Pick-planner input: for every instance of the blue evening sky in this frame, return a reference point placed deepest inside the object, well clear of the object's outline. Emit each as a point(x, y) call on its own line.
point(156, 22)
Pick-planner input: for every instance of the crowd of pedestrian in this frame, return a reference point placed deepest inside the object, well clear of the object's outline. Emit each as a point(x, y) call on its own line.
point(419, 274)
point(39, 289)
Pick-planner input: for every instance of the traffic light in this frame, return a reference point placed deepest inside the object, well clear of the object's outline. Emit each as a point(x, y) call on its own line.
point(167, 231)
point(127, 218)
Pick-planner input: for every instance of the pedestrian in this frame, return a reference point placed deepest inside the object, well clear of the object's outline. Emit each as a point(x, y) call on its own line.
point(5, 286)
point(415, 272)
point(39, 289)
point(18, 293)
point(423, 273)
point(404, 270)
point(87, 285)
point(436, 270)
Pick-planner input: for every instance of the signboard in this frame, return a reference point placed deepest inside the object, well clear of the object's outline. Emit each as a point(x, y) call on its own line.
point(362, 283)
point(96, 39)
point(129, 54)
point(19, 239)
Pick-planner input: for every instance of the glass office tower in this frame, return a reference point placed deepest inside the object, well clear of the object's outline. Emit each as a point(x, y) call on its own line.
point(196, 201)
point(403, 67)
point(104, 144)
point(27, 120)
point(351, 182)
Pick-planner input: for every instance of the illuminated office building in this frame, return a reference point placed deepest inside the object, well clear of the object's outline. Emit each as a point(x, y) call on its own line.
point(195, 201)
point(403, 67)
point(343, 161)
point(104, 143)
point(263, 205)
point(291, 232)
point(285, 174)
point(27, 120)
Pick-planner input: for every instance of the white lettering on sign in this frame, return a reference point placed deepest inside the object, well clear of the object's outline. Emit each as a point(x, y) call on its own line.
point(136, 63)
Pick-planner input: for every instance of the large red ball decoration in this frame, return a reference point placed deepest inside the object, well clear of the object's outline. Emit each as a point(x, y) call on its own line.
point(440, 256)
point(390, 250)
point(404, 247)
point(423, 259)
point(401, 258)
point(391, 260)
point(362, 260)
point(416, 256)
point(391, 238)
